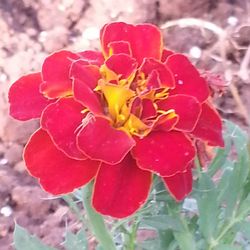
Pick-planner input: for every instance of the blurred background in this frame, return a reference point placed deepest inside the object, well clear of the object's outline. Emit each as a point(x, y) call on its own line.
point(30, 30)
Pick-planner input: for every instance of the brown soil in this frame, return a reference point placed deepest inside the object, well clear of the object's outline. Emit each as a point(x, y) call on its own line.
point(30, 30)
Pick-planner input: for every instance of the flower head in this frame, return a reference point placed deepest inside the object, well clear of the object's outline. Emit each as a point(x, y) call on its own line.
point(117, 116)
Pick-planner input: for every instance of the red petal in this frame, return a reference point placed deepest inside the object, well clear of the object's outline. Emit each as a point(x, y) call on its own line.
point(122, 65)
point(166, 77)
point(55, 72)
point(121, 189)
point(148, 109)
point(87, 97)
point(85, 80)
point(153, 80)
point(57, 173)
point(209, 126)
point(26, 101)
point(164, 153)
point(92, 57)
point(179, 185)
point(188, 79)
point(61, 120)
point(100, 141)
point(89, 74)
point(145, 39)
point(119, 47)
point(136, 106)
point(186, 107)
point(165, 123)
point(165, 54)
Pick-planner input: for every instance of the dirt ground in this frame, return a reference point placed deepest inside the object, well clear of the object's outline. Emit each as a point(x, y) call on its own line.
point(30, 30)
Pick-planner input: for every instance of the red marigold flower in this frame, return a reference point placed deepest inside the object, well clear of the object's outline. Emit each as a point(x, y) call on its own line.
point(118, 116)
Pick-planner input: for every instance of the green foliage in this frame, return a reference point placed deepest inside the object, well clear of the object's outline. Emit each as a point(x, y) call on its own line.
point(23, 240)
point(218, 207)
point(162, 222)
point(207, 205)
point(76, 241)
point(214, 217)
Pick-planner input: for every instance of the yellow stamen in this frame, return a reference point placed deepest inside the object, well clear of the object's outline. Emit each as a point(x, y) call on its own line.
point(116, 97)
point(135, 126)
point(162, 95)
point(170, 111)
point(85, 111)
point(107, 74)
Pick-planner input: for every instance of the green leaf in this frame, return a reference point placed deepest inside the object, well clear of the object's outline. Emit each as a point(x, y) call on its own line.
point(244, 228)
point(208, 206)
point(96, 221)
point(76, 241)
point(239, 136)
point(231, 186)
point(99, 247)
point(23, 240)
point(244, 208)
point(162, 222)
point(150, 245)
point(185, 240)
point(227, 247)
point(246, 190)
point(221, 156)
point(166, 238)
point(223, 185)
point(235, 187)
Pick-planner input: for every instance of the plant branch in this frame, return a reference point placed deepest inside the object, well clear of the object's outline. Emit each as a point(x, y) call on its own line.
point(243, 72)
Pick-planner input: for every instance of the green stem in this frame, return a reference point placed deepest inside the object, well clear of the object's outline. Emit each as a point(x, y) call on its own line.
point(184, 237)
point(132, 238)
point(234, 220)
point(74, 208)
point(96, 221)
point(215, 242)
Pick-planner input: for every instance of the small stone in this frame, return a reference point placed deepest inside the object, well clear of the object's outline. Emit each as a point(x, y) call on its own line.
point(195, 52)
point(6, 211)
point(3, 161)
point(232, 20)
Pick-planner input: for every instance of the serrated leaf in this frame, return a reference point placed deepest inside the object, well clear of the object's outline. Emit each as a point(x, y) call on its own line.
point(24, 240)
point(76, 241)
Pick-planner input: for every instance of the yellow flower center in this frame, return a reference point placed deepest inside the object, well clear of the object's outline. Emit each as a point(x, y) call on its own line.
point(120, 94)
